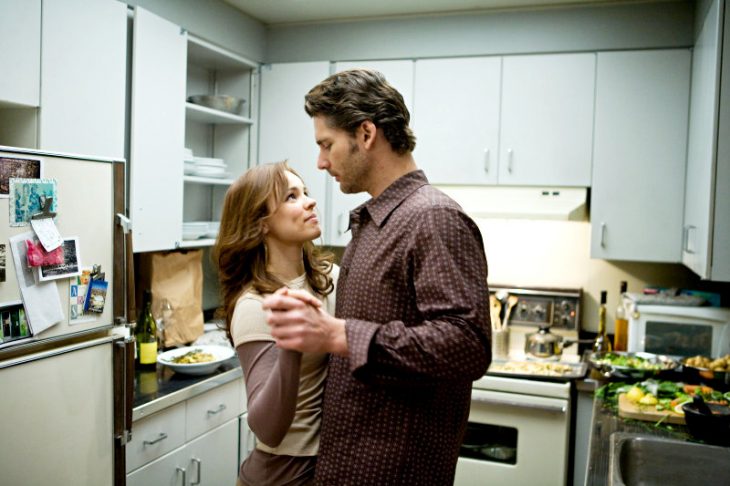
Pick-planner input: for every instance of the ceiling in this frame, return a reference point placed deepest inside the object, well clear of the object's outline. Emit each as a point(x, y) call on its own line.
point(272, 12)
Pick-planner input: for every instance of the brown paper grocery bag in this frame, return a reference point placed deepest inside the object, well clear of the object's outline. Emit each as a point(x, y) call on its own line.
point(178, 277)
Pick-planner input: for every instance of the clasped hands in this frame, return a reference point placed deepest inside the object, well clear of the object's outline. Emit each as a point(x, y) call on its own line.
point(298, 322)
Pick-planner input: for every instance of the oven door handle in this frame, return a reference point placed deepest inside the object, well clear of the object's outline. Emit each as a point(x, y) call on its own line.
point(477, 396)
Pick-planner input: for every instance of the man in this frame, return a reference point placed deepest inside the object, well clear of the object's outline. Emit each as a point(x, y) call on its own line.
point(410, 331)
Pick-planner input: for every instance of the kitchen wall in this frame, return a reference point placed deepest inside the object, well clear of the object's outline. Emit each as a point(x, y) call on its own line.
point(557, 254)
point(556, 29)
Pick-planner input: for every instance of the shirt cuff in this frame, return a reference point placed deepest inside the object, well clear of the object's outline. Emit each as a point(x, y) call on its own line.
point(359, 335)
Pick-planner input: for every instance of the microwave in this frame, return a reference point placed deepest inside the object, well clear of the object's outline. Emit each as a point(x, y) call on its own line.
point(679, 331)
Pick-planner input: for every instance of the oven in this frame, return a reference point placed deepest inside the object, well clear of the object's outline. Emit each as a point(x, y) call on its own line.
point(521, 418)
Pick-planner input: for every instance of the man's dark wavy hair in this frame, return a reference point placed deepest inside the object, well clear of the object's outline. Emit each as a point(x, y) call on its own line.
point(348, 98)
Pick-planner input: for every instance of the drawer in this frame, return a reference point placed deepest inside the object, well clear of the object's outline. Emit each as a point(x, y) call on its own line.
point(156, 435)
point(212, 409)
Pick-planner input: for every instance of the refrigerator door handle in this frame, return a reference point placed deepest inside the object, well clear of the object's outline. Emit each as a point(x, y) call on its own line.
point(124, 389)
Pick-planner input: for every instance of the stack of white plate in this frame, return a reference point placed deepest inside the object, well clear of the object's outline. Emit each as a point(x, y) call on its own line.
point(210, 167)
point(192, 230)
point(204, 166)
point(188, 161)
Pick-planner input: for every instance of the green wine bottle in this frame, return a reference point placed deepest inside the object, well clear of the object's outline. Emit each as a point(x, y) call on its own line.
point(146, 335)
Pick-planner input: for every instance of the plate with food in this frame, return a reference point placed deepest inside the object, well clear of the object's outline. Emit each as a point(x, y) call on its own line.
point(195, 360)
point(624, 365)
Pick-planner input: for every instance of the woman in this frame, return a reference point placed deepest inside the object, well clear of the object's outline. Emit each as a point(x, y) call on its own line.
point(265, 243)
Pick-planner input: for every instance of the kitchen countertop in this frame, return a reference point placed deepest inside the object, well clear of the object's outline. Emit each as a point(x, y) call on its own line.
point(160, 389)
point(605, 422)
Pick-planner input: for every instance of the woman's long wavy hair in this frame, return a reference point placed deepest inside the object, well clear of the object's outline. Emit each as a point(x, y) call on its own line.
point(240, 253)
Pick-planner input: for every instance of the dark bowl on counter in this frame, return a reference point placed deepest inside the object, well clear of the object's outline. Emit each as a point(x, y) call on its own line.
point(713, 427)
point(660, 364)
point(719, 380)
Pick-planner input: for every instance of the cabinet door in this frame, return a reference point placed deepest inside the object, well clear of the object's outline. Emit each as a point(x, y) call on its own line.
point(170, 470)
point(720, 269)
point(642, 103)
point(20, 55)
point(246, 438)
point(400, 75)
point(702, 146)
point(157, 132)
point(214, 456)
point(547, 120)
point(83, 109)
point(457, 119)
point(285, 130)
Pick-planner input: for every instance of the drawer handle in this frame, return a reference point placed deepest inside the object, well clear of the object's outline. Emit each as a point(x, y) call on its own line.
point(218, 410)
point(197, 462)
point(512, 403)
point(159, 438)
point(182, 470)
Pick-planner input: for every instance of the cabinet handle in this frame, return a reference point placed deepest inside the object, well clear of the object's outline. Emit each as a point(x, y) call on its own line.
point(509, 160)
point(218, 410)
point(182, 470)
point(197, 462)
point(603, 235)
point(517, 404)
point(486, 161)
point(159, 438)
point(686, 238)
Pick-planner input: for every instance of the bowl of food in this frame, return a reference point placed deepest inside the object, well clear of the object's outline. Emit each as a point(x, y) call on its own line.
point(709, 422)
point(229, 104)
point(702, 369)
point(637, 366)
point(195, 360)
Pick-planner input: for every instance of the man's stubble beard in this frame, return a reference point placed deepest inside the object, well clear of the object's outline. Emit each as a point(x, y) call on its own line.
point(356, 172)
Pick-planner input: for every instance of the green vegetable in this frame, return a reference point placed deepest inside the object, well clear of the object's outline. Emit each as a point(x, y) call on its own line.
point(635, 362)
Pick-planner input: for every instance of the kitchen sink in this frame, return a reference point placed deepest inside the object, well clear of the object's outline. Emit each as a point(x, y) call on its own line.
point(640, 459)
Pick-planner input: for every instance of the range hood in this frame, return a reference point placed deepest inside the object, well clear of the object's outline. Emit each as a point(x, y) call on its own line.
point(555, 203)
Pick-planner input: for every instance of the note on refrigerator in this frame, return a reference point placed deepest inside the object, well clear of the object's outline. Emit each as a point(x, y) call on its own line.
point(42, 302)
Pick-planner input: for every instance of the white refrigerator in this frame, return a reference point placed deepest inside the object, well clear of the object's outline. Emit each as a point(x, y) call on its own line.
point(66, 386)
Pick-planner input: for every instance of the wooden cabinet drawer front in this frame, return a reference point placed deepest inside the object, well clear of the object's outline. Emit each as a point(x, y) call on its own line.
point(156, 435)
point(212, 409)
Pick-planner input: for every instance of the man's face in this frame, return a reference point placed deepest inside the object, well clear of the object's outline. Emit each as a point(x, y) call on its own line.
point(341, 157)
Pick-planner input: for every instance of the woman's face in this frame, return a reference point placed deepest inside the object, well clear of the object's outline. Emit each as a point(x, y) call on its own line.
point(294, 221)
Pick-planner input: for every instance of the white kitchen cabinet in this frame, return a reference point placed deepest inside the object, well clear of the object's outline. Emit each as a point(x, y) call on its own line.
point(706, 225)
point(457, 119)
point(642, 104)
point(157, 134)
point(83, 108)
point(246, 438)
point(20, 55)
point(168, 66)
point(547, 120)
point(197, 440)
point(400, 75)
point(285, 130)
point(211, 460)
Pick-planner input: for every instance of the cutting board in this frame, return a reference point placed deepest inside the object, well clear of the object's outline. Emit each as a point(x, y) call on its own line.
point(629, 409)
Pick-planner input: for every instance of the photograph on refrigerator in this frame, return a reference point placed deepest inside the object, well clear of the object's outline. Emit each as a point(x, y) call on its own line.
point(25, 199)
point(18, 169)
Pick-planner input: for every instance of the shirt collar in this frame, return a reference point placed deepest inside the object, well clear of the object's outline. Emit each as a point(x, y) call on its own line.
point(381, 206)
